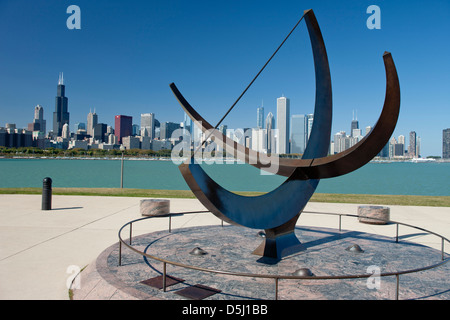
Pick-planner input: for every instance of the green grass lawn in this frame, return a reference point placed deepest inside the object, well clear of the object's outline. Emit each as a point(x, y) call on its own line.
point(432, 201)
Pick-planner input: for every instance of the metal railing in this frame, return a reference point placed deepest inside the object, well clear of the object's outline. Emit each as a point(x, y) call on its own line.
point(276, 278)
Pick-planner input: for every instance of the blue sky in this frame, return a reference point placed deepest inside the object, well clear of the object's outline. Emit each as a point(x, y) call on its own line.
point(126, 54)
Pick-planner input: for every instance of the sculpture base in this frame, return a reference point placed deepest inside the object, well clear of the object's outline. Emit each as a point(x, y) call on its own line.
point(279, 246)
point(229, 249)
point(280, 241)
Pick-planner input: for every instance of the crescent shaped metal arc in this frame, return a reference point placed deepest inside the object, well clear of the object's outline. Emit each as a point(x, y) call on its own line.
point(284, 203)
point(330, 166)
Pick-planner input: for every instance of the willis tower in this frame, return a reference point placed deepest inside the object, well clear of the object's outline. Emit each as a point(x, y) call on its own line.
point(61, 115)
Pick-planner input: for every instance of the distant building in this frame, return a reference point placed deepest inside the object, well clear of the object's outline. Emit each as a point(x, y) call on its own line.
point(446, 143)
point(145, 143)
point(80, 134)
point(167, 128)
point(92, 120)
point(65, 134)
point(260, 117)
point(39, 119)
point(135, 129)
point(78, 144)
point(106, 146)
point(148, 125)
point(309, 121)
point(412, 145)
point(15, 138)
point(270, 127)
point(341, 142)
point(259, 140)
point(99, 133)
point(355, 124)
point(398, 150)
point(158, 145)
point(112, 139)
point(187, 125)
point(384, 153)
point(283, 119)
point(33, 127)
point(123, 127)
point(131, 142)
point(61, 114)
point(79, 126)
point(299, 133)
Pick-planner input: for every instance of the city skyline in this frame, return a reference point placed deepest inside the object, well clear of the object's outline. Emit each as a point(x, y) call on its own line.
point(289, 136)
point(125, 55)
point(296, 136)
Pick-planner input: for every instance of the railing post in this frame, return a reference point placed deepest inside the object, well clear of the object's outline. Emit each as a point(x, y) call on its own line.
point(442, 248)
point(397, 286)
point(340, 218)
point(164, 276)
point(47, 194)
point(276, 288)
point(170, 223)
point(121, 172)
point(120, 252)
point(131, 230)
point(396, 234)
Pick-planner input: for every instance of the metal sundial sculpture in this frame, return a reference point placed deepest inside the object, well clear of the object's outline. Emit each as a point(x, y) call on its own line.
point(278, 211)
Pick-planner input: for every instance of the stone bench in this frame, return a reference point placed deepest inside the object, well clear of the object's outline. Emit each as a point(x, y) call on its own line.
point(379, 214)
point(154, 207)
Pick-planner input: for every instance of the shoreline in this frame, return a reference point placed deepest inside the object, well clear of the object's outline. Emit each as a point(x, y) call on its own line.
point(402, 200)
point(230, 159)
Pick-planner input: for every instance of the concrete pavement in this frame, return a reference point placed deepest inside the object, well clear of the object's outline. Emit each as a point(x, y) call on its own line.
point(42, 250)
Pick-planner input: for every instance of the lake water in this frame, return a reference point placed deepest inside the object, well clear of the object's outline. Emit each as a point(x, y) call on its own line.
point(396, 178)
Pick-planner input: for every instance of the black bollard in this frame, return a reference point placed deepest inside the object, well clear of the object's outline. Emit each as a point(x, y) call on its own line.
point(47, 194)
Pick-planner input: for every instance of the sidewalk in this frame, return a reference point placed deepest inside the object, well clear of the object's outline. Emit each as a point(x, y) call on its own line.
point(41, 250)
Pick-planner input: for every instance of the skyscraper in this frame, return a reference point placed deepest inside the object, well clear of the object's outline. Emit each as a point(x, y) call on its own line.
point(148, 125)
point(65, 131)
point(61, 114)
point(135, 130)
point(123, 127)
point(79, 126)
point(299, 133)
point(259, 140)
point(355, 124)
point(270, 126)
point(188, 125)
point(100, 132)
point(283, 117)
point(39, 118)
point(412, 144)
point(446, 143)
point(167, 128)
point(260, 117)
point(309, 122)
point(341, 142)
point(92, 120)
